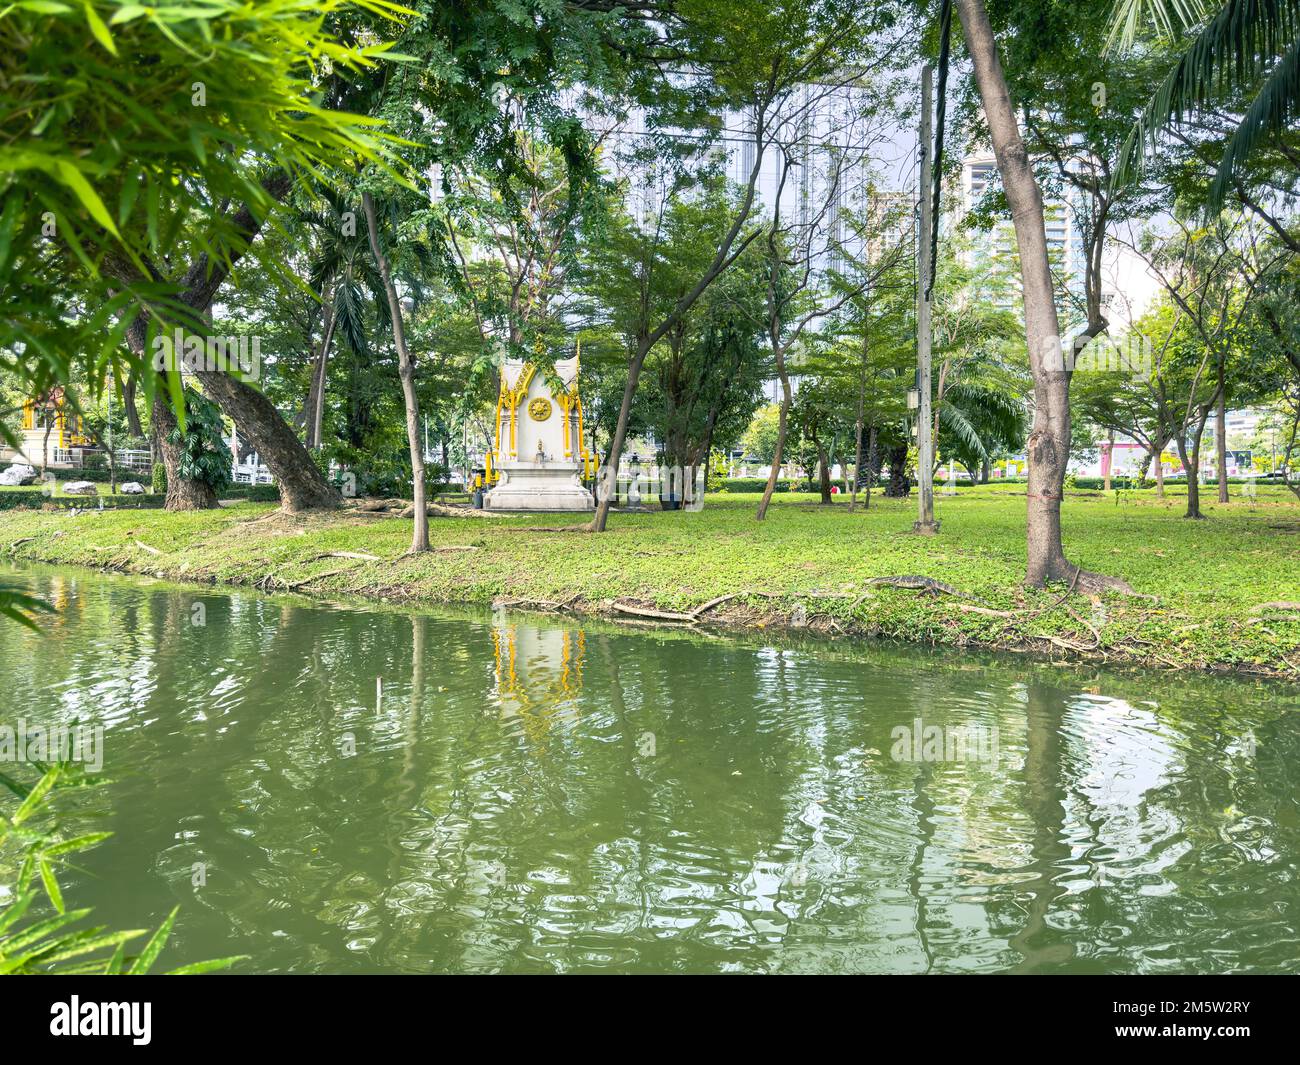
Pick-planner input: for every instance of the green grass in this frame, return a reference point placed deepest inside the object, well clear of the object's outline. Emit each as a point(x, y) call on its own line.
point(1209, 575)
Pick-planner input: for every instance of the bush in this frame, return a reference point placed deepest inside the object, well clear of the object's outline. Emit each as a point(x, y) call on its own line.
point(24, 497)
point(204, 455)
point(752, 484)
point(158, 484)
point(45, 942)
point(35, 499)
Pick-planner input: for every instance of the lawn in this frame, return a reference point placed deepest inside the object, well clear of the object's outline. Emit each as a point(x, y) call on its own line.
point(807, 565)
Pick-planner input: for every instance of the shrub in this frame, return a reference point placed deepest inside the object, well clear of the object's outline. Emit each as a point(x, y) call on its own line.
point(204, 455)
point(159, 482)
point(45, 942)
point(752, 484)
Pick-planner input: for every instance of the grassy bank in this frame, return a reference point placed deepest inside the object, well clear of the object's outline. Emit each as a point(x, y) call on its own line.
point(806, 565)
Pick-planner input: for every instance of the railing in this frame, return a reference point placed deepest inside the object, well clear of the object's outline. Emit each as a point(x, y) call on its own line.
point(75, 458)
point(250, 474)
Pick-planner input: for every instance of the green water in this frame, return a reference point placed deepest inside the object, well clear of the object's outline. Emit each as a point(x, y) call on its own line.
point(534, 795)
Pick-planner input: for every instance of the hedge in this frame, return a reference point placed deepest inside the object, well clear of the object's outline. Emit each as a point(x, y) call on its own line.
point(35, 499)
point(752, 484)
point(98, 476)
point(255, 493)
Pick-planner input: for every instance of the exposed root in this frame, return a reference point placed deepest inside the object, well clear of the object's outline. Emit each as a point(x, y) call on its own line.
point(704, 608)
point(314, 577)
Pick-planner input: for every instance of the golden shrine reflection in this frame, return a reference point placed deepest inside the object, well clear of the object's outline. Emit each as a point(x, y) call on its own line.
point(538, 673)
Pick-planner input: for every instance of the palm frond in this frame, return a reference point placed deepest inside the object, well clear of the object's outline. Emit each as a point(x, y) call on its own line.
point(1245, 41)
point(1166, 16)
point(1276, 106)
point(957, 426)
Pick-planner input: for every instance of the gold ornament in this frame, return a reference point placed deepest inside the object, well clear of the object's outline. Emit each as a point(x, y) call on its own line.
point(539, 409)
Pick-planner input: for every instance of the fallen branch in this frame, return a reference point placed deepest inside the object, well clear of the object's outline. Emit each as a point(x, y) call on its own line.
point(146, 547)
point(650, 612)
point(1279, 604)
point(314, 577)
point(530, 604)
point(704, 608)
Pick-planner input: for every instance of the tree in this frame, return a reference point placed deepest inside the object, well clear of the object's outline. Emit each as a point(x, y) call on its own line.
point(406, 368)
point(774, 55)
point(1048, 446)
point(1200, 270)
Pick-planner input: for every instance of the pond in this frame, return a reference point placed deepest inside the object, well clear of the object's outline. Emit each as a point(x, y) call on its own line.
point(334, 788)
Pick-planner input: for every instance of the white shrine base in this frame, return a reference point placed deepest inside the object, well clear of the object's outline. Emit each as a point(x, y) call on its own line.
point(538, 486)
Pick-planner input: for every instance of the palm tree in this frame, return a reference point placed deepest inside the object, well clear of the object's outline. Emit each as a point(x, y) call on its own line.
point(342, 271)
point(1249, 47)
point(979, 422)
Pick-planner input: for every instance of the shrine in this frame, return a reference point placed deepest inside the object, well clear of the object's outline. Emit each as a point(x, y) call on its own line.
point(540, 460)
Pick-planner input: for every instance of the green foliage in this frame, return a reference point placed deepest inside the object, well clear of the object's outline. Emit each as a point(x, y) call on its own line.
point(753, 484)
point(158, 482)
point(204, 454)
point(58, 942)
point(114, 144)
point(1250, 46)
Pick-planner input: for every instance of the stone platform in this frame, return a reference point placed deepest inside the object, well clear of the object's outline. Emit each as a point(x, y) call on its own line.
point(541, 487)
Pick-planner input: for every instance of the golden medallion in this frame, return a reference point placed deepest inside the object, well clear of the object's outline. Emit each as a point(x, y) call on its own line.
point(539, 409)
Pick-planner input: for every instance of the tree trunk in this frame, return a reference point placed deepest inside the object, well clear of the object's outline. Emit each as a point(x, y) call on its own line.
point(823, 460)
point(1110, 460)
point(872, 467)
point(857, 458)
point(1048, 446)
point(610, 471)
point(316, 393)
point(900, 486)
point(406, 371)
point(182, 494)
point(1221, 438)
point(986, 471)
point(1192, 465)
point(782, 428)
point(302, 485)
point(133, 425)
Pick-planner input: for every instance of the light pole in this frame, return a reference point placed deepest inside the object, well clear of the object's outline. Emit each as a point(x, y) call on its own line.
point(925, 523)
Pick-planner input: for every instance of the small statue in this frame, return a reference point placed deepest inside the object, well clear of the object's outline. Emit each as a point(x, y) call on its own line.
point(541, 453)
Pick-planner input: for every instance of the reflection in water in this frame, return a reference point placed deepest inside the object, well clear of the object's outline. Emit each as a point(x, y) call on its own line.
point(536, 795)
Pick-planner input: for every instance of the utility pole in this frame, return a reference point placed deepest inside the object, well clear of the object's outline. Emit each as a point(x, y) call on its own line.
point(925, 523)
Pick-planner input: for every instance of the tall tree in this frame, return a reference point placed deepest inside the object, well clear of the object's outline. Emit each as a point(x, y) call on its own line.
point(1048, 446)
